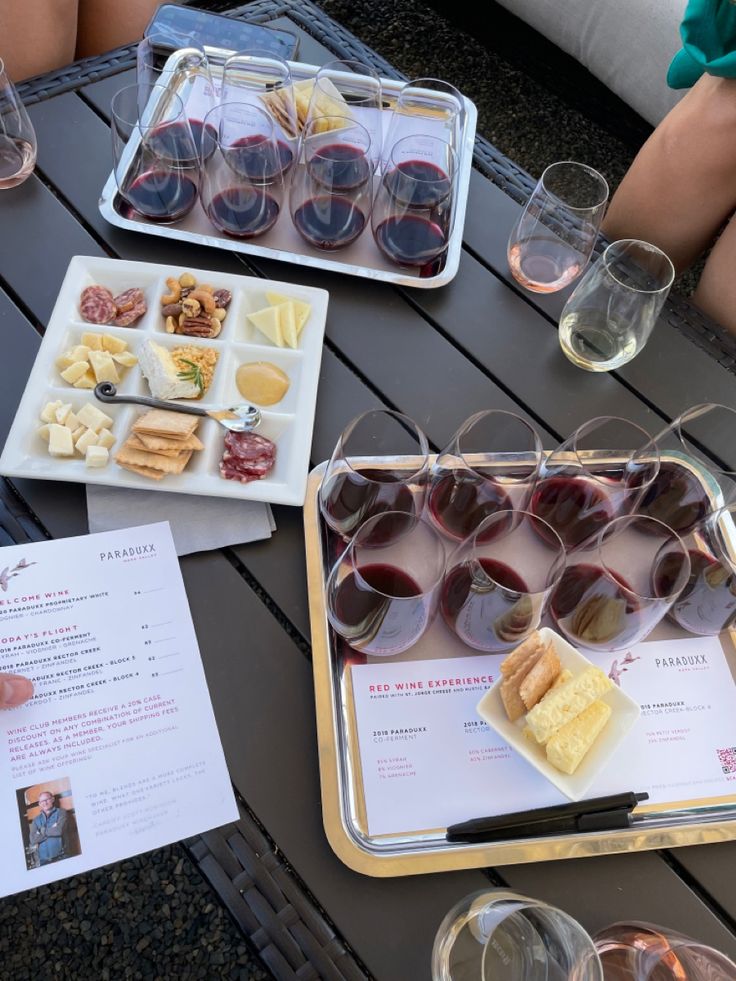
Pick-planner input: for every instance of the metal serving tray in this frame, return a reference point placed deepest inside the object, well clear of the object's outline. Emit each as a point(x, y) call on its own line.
point(362, 258)
point(414, 851)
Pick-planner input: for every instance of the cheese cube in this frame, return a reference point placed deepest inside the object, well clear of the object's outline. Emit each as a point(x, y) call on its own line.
point(96, 456)
point(76, 433)
point(87, 439)
point(79, 353)
point(87, 380)
point(92, 341)
point(62, 412)
point(71, 422)
point(103, 367)
point(267, 321)
point(74, 372)
point(106, 439)
point(113, 344)
point(92, 417)
point(126, 359)
point(287, 323)
point(65, 361)
point(43, 432)
point(48, 413)
point(60, 440)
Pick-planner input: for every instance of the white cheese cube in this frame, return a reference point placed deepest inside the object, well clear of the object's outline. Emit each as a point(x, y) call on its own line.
point(104, 367)
point(48, 413)
point(106, 439)
point(74, 372)
point(62, 412)
point(43, 432)
point(93, 418)
point(96, 456)
point(60, 440)
point(87, 439)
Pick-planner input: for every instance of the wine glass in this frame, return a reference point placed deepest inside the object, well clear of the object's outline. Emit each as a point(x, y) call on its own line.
point(678, 495)
point(601, 471)
point(707, 603)
point(185, 71)
point(500, 935)
point(347, 89)
point(490, 465)
point(242, 172)
point(155, 161)
point(332, 185)
point(551, 242)
point(356, 486)
point(636, 951)
point(17, 137)
point(613, 309)
point(414, 207)
point(264, 80)
point(426, 105)
point(611, 600)
point(382, 592)
point(498, 582)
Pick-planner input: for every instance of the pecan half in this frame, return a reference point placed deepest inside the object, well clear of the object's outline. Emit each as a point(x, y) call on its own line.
point(223, 298)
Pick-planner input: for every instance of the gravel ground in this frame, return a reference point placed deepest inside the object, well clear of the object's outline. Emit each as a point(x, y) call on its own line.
point(153, 917)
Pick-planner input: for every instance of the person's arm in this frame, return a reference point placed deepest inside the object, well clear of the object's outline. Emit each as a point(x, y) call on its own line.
point(57, 830)
point(37, 35)
point(37, 835)
point(14, 690)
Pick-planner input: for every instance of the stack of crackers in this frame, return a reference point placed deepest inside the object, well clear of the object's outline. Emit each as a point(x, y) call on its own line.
point(528, 674)
point(160, 443)
point(290, 106)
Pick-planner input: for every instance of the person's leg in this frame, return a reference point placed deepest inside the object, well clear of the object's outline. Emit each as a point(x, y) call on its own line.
point(106, 24)
point(716, 291)
point(682, 185)
point(36, 35)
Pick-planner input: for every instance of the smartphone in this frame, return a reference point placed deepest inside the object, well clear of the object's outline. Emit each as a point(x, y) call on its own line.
point(219, 31)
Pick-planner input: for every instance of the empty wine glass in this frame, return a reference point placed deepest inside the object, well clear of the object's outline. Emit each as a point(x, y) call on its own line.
point(498, 582)
point(356, 485)
point(600, 472)
point(17, 137)
point(636, 951)
point(613, 309)
point(690, 483)
point(610, 600)
point(426, 105)
point(155, 160)
point(500, 935)
point(185, 71)
point(552, 241)
point(414, 208)
point(242, 170)
point(264, 80)
point(347, 89)
point(490, 465)
point(382, 592)
point(332, 185)
point(707, 603)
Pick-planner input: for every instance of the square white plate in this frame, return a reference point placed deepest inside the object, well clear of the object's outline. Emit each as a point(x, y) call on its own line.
point(289, 423)
point(625, 712)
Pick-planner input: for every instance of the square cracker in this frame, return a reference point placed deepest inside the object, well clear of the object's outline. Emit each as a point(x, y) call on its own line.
point(133, 442)
point(160, 422)
point(159, 443)
point(518, 656)
point(540, 678)
point(154, 461)
point(143, 471)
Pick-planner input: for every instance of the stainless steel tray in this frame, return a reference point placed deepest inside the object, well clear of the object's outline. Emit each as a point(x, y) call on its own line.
point(362, 258)
point(689, 822)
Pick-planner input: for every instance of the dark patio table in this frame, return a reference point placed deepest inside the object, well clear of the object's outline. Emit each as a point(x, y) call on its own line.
point(436, 355)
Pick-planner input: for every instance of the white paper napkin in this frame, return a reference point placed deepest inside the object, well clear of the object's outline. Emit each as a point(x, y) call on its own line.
point(197, 523)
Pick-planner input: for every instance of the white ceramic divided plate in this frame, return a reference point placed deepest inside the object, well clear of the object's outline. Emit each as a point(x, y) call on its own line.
point(625, 712)
point(289, 423)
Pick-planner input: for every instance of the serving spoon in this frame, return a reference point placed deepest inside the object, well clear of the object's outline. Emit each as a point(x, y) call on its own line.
point(237, 418)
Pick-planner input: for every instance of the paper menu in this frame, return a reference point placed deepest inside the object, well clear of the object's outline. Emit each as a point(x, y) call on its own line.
point(120, 732)
point(428, 760)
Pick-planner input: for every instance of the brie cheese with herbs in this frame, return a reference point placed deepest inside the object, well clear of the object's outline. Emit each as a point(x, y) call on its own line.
point(161, 373)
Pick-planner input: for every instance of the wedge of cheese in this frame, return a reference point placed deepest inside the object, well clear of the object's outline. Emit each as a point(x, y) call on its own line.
point(301, 309)
point(561, 705)
point(568, 746)
point(268, 322)
point(287, 323)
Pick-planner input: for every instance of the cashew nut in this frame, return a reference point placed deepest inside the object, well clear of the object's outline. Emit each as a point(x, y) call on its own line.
point(175, 291)
point(206, 299)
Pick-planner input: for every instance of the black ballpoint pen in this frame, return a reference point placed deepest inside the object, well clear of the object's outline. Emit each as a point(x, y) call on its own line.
point(597, 814)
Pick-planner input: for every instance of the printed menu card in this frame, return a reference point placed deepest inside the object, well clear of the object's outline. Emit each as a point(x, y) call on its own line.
point(428, 759)
point(118, 751)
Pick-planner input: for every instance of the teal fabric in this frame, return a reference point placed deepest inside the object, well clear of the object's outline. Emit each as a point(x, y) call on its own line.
point(708, 32)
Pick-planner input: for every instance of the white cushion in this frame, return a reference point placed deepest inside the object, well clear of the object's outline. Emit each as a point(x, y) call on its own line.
point(627, 44)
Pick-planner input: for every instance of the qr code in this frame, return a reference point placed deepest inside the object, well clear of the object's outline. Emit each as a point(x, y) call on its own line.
point(727, 759)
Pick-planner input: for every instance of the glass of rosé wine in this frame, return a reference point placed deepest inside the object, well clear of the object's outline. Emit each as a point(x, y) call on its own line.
point(635, 951)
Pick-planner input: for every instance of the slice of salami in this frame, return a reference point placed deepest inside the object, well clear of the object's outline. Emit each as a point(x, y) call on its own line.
point(127, 300)
point(130, 317)
point(247, 457)
point(96, 305)
point(249, 446)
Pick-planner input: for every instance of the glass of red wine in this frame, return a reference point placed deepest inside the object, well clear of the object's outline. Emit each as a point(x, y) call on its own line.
point(242, 174)
point(264, 80)
point(499, 580)
point(609, 601)
point(352, 90)
point(186, 72)
point(382, 592)
point(332, 185)
point(707, 603)
point(637, 951)
point(690, 482)
point(426, 106)
point(380, 463)
point(599, 473)
point(414, 206)
point(155, 159)
point(490, 465)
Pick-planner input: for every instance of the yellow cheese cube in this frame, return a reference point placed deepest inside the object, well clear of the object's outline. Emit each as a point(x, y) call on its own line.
point(60, 440)
point(92, 341)
point(74, 372)
point(65, 361)
point(92, 417)
point(126, 359)
point(113, 344)
point(87, 439)
point(79, 352)
point(87, 380)
point(104, 367)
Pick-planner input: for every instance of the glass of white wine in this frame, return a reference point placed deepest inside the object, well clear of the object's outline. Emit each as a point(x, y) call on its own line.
point(612, 312)
point(551, 243)
point(17, 138)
